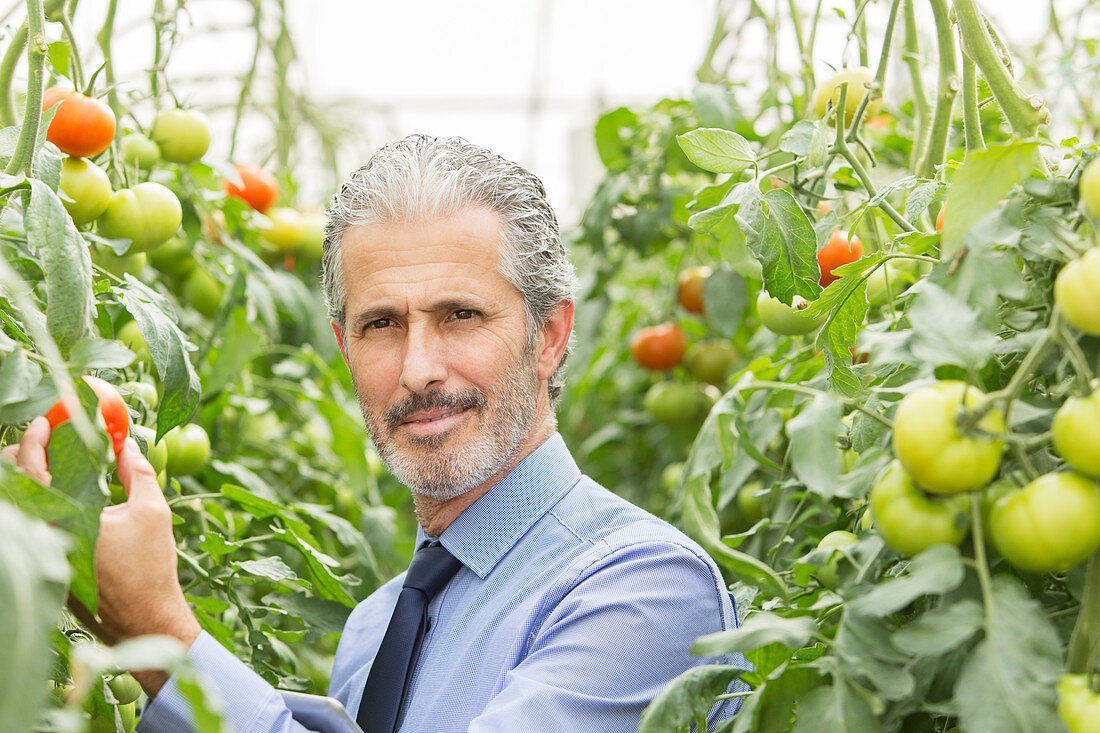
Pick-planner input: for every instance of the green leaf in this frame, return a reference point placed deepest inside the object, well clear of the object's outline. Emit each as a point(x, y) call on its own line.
point(813, 452)
point(239, 344)
point(100, 354)
point(271, 567)
point(1007, 684)
point(717, 150)
point(327, 584)
point(759, 629)
point(33, 577)
point(978, 186)
point(254, 505)
point(919, 199)
point(701, 523)
point(614, 136)
point(725, 298)
point(798, 139)
point(59, 54)
point(966, 343)
point(168, 348)
point(18, 376)
point(836, 709)
point(935, 571)
point(322, 616)
point(940, 630)
point(863, 644)
point(64, 258)
point(786, 248)
point(687, 698)
point(840, 331)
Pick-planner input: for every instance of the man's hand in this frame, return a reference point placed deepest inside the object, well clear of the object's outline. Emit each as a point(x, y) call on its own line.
point(135, 564)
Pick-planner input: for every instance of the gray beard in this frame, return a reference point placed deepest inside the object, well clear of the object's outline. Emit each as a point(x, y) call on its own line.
point(440, 474)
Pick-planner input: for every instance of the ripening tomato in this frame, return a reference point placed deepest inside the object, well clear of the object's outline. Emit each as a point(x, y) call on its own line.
point(929, 443)
point(140, 151)
point(839, 250)
point(1076, 433)
point(859, 81)
point(939, 218)
point(1051, 524)
point(111, 407)
point(1078, 705)
point(312, 246)
point(82, 126)
point(681, 402)
point(188, 449)
point(710, 361)
point(690, 284)
point(1089, 187)
point(147, 214)
point(86, 189)
point(182, 135)
point(659, 347)
point(258, 188)
point(910, 521)
point(203, 292)
point(1077, 292)
point(284, 229)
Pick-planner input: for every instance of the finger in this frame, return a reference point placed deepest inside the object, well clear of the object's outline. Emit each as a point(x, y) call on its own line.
point(10, 453)
point(32, 449)
point(137, 475)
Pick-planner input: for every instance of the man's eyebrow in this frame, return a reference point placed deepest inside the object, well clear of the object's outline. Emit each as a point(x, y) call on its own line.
point(470, 302)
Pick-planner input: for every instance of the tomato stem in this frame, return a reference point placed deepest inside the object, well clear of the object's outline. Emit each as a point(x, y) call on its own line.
point(972, 122)
point(22, 160)
point(910, 54)
point(104, 38)
point(246, 80)
point(1084, 642)
point(981, 561)
point(935, 147)
point(7, 71)
point(74, 51)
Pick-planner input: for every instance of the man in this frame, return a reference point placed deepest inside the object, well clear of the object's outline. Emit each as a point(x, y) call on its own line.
point(569, 609)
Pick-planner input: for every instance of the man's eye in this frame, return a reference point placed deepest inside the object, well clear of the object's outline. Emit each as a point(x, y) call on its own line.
point(464, 314)
point(377, 323)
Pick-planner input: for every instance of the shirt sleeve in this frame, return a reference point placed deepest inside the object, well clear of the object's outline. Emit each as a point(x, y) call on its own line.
point(614, 642)
point(251, 705)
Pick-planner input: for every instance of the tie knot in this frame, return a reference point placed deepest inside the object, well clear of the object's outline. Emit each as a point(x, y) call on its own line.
point(431, 569)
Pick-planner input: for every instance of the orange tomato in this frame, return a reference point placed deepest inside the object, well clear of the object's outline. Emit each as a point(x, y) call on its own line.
point(111, 406)
point(839, 251)
point(659, 347)
point(690, 291)
point(258, 188)
point(82, 126)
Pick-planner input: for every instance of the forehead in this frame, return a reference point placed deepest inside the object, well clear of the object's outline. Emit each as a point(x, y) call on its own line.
point(460, 251)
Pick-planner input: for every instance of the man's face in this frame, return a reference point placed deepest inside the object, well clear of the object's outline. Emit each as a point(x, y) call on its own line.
point(437, 345)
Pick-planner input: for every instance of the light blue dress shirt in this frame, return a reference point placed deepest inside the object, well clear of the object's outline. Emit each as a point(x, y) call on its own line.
point(574, 608)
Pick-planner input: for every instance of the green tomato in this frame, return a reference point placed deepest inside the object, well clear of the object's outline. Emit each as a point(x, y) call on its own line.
point(671, 476)
point(838, 538)
point(1076, 433)
point(173, 258)
point(787, 320)
point(188, 449)
point(140, 151)
point(125, 715)
point(928, 442)
point(711, 361)
point(156, 452)
point(859, 80)
point(182, 135)
point(284, 229)
point(680, 402)
point(1051, 524)
point(203, 292)
point(145, 393)
point(910, 521)
point(1078, 705)
point(130, 336)
point(147, 214)
point(131, 263)
point(1089, 187)
point(125, 688)
point(886, 283)
point(86, 190)
point(1077, 292)
point(752, 502)
point(313, 236)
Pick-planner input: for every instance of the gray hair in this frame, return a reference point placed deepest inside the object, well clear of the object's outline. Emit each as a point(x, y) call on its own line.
point(423, 177)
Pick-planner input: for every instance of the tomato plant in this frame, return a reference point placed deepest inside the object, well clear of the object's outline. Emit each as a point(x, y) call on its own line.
point(111, 407)
point(87, 190)
point(147, 214)
point(82, 126)
point(659, 347)
point(181, 135)
point(839, 250)
point(257, 188)
point(936, 450)
point(1051, 524)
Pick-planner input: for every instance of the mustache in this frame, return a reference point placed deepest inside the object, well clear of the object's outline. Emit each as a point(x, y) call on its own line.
point(397, 414)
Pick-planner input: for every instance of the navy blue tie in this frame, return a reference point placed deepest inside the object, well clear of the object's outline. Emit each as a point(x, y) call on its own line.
point(432, 568)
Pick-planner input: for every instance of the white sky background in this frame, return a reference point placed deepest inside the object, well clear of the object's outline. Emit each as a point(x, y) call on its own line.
point(526, 78)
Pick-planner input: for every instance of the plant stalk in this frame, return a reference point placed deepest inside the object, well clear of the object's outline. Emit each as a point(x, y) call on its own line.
point(1083, 655)
point(104, 39)
point(972, 121)
point(7, 71)
point(22, 160)
point(935, 146)
point(74, 51)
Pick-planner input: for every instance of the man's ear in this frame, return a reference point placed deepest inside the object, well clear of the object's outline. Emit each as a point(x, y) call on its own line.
point(554, 338)
point(340, 341)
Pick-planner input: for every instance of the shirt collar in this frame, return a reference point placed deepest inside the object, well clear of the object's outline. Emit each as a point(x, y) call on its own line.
point(487, 529)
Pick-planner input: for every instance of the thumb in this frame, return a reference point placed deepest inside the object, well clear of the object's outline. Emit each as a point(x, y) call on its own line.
point(137, 475)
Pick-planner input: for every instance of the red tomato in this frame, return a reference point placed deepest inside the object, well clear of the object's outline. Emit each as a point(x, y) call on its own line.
point(839, 251)
point(659, 347)
point(111, 406)
point(81, 126)
point(258, 188)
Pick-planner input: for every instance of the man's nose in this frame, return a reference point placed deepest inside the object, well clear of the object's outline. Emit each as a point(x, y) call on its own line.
point(424, 366)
